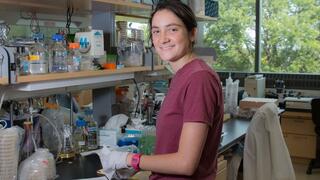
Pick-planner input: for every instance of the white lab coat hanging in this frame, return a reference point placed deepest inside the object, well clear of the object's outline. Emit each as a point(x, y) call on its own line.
point(266, 155)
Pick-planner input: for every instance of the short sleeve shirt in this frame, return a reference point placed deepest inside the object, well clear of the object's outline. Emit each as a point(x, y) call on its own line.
point(194, 95)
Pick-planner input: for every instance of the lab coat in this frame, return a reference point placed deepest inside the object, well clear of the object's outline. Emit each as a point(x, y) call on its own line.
point(266, 156)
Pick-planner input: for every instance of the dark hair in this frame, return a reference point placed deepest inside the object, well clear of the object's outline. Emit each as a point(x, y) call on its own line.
point(180, 9)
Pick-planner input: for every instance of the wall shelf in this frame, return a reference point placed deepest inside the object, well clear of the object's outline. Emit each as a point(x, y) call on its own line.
point(44, 6)
point(63, 80)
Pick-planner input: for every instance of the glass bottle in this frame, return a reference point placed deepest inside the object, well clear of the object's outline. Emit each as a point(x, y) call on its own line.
point(74, 57)
point(79, 135)
point(38, 58)
point(23, 61)
point(27, 146)
point(58, 55)
point(92, 126)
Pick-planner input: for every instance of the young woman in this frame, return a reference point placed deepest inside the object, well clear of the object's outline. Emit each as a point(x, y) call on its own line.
point(190, 120)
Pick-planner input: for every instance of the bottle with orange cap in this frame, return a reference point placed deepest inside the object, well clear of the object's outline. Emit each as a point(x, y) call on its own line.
point(74, 57)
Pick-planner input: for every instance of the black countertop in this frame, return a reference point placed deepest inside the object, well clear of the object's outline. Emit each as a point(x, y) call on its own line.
point(234, 130)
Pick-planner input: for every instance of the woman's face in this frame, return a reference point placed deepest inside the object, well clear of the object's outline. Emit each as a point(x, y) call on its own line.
point(170, 37)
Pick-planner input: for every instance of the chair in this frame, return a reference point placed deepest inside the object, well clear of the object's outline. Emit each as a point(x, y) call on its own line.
point(266, 156)
point(315, 111)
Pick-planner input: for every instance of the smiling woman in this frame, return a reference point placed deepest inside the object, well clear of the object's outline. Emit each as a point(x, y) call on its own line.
point(190, 120)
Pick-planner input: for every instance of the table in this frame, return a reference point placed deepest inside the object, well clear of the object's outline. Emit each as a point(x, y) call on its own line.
point(234, 131)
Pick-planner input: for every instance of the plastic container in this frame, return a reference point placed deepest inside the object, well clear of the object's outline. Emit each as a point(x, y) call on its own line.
point(74, 57)
point(38, 58)
point(131, 137)
point(58, 55)
point(79, 136)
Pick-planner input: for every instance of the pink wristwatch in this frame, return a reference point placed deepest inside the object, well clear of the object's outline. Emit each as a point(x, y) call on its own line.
point(135, 161)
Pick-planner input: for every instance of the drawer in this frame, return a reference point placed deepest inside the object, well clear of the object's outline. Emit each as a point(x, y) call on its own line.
point(300, 145)
point(297, 115)
point(222, 175)
point(297, 126)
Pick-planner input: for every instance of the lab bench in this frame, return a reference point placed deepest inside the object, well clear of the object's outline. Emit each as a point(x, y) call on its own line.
point(87, 167)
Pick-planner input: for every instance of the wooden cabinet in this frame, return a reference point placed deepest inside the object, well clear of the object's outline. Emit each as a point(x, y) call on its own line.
point(298, 132)
point(221, 169)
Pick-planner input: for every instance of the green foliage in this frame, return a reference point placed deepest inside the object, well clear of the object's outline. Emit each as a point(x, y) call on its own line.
point(288, 40)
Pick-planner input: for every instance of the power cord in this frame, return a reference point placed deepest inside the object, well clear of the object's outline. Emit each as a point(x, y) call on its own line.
point(70, 10)
point(139, 96)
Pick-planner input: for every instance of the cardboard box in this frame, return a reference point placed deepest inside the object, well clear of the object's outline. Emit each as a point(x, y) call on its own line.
point(254, 103)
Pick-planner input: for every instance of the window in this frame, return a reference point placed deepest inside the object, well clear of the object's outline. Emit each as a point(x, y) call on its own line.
point(290, 36)
point(232, 36)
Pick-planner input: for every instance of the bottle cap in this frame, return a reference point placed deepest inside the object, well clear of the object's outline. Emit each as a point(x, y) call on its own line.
point(74, 45)
point(80, 123)
point(57, 37)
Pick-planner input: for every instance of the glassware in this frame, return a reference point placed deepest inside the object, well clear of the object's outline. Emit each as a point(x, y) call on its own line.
point(67, 151)
point(27, 146)
point(58, 55)
point(79, 135)
point(74, 57)
point(92, 140)
point(38, 58)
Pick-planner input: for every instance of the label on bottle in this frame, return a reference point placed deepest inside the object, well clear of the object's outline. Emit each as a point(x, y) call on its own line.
point(34, 57)
point(81, 143)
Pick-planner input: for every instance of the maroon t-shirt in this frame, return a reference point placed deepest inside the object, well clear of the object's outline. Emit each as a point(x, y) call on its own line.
point(194, 95)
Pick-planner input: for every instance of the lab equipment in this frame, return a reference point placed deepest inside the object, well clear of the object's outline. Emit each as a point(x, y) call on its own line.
point(9, 152)
point(38, 58)
point(91, 43)
point(74, 57)
point(80, 135)
point(67, 150)
point(255, 85)
point(28, 142)
point(92, 126)
point(231, 96)
point(58, 55)
point(39, 166)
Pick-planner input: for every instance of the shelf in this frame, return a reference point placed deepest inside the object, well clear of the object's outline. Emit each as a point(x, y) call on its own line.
point(125, 3)
point(206, 18)
point(122, 7)
point(44, 6)
point(62, 80)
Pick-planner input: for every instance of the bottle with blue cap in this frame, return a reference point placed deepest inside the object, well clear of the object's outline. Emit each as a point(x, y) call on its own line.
point(80, 135)
point(58, 55)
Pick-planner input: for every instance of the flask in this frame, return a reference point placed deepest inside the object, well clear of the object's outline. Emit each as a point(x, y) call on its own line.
point(58, 55)
point(67, 151)
point(74, 57)
point(79, 135)
point(38, 58)
point(92, 140)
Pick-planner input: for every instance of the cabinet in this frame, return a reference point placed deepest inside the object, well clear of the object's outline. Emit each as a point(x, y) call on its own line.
point(221, 169)
point(299, 134)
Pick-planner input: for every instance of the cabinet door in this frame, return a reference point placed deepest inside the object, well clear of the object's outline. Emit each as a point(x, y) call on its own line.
point(301, 145)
